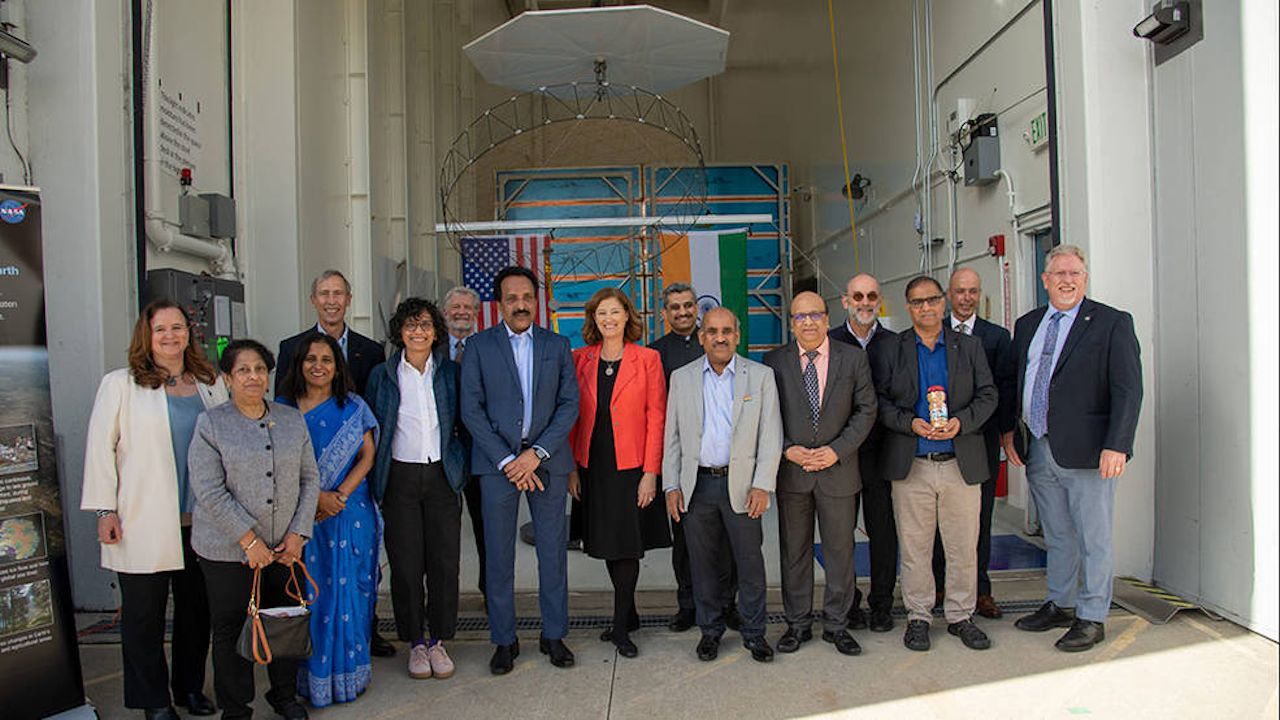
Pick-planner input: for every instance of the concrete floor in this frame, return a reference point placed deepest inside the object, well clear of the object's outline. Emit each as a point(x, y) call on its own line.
point(1191, 667)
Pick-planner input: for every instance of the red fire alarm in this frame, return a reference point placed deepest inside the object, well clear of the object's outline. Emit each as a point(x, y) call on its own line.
point(995, 245)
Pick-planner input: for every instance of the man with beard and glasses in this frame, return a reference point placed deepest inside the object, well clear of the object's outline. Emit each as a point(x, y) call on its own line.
point(519, 402)
point(461, 307)
point(678, 348)
point(862, 329)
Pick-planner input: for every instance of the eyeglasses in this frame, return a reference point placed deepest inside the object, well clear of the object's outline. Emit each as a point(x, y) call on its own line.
point(412, 325)
point(872, 296)
point(1066, 274)
point(813, 316)
point(920, 302)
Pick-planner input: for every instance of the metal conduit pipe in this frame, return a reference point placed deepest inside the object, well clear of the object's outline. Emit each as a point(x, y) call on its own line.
point(926, 245)
point(915, 70)
point(163, 233)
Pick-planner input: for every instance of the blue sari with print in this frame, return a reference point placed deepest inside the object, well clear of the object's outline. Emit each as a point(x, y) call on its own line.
point(342, 557)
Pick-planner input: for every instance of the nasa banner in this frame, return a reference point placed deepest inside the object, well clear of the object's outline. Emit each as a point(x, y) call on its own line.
point(39, 659)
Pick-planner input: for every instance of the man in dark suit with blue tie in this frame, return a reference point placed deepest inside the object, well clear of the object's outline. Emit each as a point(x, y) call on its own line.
point(1079, 383)
point(964, 292)
point(519, 402)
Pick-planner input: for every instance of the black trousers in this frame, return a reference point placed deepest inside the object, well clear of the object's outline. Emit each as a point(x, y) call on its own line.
point(681, 566)
point(423, 517)
point(984, 543)
point(229, 585)
point(882, 536)
point(143, 597)
point(471, 492)
point(709, 524)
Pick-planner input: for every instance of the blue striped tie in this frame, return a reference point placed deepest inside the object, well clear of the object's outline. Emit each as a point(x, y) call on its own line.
point(1039, 420)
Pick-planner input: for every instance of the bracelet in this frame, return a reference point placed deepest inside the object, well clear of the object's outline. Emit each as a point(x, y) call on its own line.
point(341, 497)
point(249, 547)
point(104, 513)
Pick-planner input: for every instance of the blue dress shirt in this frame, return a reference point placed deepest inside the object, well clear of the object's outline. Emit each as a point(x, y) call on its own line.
point(522, 349)
point(1037, 347)
point(342, 341)
point(933, 371)
point(717, 414)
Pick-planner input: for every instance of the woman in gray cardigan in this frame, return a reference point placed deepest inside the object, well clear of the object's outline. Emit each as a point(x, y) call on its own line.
point(255, 481)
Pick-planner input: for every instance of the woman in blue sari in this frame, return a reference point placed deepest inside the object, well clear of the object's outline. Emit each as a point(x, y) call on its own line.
point(342, 556)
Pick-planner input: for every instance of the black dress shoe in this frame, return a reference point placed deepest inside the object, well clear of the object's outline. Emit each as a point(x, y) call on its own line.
point(759, 647)
point(682, 620)
point(1083, 635)
point(1049, 616)
point(164, 713)
point(971, 635)
point(633, 624)
point(292, 710)
point(380, 646)
point(504, 658)
point(561, 655)
point(708, 647)
point(731, 618)
point(917, 635)
point(626, 648)
point(844, 642)
point(792, 639)
point(879, 621)
point(197, 704)
point(857, 619)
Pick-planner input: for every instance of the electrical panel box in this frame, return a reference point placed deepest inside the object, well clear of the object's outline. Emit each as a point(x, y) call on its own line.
point(193, 215)
point(215, 305)
point(982, 154)
point(222, 215)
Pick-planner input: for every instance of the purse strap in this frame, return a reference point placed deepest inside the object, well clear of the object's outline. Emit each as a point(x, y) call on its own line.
point(292, 588)
point(261, 650)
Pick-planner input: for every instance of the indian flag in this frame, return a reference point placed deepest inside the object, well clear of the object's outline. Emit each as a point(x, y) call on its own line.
point(714, 262)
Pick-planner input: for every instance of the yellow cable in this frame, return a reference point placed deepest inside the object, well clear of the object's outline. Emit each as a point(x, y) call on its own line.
point(844, 149)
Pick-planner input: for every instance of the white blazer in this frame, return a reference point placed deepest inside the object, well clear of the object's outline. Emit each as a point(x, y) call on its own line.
point(129, 468)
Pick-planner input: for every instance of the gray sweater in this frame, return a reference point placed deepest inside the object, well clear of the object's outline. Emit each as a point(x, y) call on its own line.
point(250, 474)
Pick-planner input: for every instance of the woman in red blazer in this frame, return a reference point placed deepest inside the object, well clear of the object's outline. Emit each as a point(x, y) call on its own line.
point(617, 444)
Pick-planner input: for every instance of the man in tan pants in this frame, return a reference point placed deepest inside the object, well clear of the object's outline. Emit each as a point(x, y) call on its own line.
point(936, 466)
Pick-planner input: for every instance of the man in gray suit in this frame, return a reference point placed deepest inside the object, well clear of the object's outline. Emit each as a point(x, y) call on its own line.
point(723, 444)
point(828, 407)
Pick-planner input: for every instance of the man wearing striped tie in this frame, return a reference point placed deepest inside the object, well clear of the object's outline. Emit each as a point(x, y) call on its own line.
point(1079, 391)
point(828, 405)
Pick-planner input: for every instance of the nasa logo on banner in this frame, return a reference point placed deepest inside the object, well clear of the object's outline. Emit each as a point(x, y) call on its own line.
point(12, 211)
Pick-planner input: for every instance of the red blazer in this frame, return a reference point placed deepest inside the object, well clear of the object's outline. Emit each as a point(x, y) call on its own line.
point(639, 407)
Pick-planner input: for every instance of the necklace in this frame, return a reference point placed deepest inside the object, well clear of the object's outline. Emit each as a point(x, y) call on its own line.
point(172, 380)
point(609, 365)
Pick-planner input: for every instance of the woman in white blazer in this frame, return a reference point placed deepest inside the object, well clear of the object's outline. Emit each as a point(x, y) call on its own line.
point(135, 479)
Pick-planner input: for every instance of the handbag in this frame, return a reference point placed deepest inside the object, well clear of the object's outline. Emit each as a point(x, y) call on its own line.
point(281, 632)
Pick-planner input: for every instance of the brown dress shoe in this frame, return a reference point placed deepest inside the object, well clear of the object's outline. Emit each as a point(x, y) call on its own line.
point(987, 607)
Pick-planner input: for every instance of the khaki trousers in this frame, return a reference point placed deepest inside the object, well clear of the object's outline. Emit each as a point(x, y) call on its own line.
point(934, 498)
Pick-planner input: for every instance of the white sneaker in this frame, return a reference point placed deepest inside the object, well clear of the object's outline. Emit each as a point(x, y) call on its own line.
point(419, 662)
point(441, 665)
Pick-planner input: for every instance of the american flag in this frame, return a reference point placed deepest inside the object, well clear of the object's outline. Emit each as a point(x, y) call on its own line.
point(484, 257)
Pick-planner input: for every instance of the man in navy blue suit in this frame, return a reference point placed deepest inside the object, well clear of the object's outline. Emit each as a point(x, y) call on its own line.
point(1079, 382)
point(519, 401)
point(964, 292)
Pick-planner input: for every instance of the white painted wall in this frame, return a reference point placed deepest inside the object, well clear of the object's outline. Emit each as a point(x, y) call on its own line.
point(1215, 494)
point(80, 150)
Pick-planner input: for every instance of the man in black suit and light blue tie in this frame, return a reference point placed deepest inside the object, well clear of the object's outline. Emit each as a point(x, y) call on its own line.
point(519, 402)
point(1079, 384)
point(964, 293)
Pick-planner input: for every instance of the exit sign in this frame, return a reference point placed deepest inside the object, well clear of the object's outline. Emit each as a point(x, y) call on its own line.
point(1038, 132)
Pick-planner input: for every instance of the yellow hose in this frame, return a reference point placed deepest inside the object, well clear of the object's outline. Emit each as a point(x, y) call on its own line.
point(844, 149)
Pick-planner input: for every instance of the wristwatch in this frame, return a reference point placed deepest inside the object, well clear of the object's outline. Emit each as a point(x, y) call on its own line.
point(104, 513)
point(542, 454)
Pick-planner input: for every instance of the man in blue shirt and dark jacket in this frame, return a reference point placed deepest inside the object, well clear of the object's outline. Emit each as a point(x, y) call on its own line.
point(936, 467)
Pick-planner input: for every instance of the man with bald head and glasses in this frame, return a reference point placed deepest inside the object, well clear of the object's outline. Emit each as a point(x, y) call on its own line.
point(828, 406)
point(936, 459)
point(862, 329)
